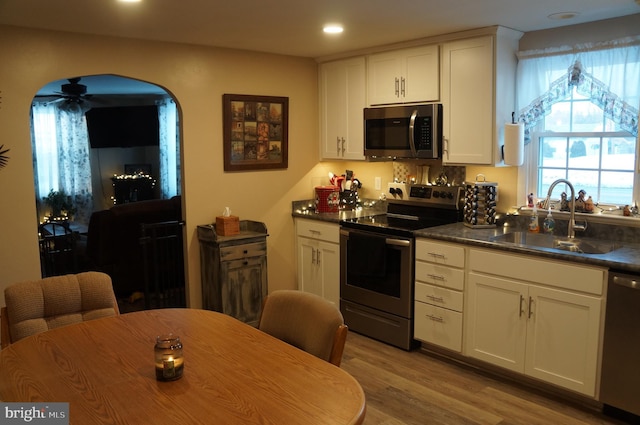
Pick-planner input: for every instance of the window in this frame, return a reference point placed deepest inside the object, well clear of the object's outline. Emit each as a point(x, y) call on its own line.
point(580, 111)
point(583, 146)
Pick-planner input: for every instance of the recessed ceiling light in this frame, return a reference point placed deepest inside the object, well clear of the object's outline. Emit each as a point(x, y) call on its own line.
point(333, 29)
point(563, 15)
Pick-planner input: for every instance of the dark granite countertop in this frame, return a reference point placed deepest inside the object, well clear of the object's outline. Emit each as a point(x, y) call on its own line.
point(626, 258)
point(366, 208)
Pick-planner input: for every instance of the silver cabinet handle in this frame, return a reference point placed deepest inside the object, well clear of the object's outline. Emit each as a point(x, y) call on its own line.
point(397, 87)
point(521, 309)
point(436, 255)
point(318, 257)
point(435, 299)
point(435, 318)
point(338, 144)
point(530, 307)
point(313, 256)
point(402, 84)
point(343, 150)
point(436, 277)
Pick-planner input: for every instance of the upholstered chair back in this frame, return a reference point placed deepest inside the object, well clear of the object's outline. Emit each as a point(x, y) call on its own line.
point(37, 306)
point(306, 321)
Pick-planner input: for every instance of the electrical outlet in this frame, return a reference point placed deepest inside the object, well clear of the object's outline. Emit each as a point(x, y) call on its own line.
point(378, 183)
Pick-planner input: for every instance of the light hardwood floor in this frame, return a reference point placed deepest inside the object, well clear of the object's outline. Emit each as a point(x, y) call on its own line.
point(415, 388)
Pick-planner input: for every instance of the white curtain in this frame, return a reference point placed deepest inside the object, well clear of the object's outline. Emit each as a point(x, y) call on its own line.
point(169, 148)
point(61, 158)
point(607, 73)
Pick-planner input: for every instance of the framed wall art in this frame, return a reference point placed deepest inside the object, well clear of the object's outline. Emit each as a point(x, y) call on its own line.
point(255, 132)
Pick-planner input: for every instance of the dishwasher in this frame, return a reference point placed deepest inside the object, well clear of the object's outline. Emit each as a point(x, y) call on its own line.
point(620, 383)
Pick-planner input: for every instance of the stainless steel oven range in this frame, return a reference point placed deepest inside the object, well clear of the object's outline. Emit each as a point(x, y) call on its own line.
point(377, 260)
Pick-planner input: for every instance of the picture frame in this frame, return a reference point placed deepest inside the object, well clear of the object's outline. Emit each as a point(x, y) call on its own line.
point(255, 132)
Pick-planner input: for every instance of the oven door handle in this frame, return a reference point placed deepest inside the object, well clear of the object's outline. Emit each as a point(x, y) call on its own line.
point(398, 242)
point(388, 241)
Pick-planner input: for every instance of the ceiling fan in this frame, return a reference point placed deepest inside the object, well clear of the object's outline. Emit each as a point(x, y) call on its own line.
point(72, 95)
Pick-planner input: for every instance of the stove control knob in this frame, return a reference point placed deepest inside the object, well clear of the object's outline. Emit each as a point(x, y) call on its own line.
point(436, 194)
point(449, 195)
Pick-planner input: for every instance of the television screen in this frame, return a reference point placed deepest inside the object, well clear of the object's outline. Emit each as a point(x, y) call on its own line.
point(123, 126)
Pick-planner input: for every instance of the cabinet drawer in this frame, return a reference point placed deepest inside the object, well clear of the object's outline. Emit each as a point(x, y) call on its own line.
point(438, 296)
point(440, 275)
point(318, 230)
point(560, 274)
point(438, 326)
point(236, 252)
point(440, 253)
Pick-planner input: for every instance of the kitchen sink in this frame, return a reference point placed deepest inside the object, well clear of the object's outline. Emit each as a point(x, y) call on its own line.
point(584, 246)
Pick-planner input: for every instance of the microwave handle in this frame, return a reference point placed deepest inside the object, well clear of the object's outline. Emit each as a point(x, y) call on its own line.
point(412, 131)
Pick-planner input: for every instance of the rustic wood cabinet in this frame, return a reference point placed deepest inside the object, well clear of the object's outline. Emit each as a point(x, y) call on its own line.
point(234, 270)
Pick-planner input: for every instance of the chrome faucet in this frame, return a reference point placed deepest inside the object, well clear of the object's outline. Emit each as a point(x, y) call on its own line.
point(571, 231)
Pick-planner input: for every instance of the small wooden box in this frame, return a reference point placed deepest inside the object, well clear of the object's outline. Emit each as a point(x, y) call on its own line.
point(227, 226)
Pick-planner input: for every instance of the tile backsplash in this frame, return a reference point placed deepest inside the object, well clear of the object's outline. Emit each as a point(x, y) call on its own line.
point(403, 171)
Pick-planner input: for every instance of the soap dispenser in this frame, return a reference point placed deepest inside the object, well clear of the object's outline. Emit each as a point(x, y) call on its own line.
point(549, 223)
point(534, 227)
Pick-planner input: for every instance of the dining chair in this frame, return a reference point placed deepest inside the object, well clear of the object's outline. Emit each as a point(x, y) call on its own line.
point(306, 321)
point(39, 305)
point(58, 254)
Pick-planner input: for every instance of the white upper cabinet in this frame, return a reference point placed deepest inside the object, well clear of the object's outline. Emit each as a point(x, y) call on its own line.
point(404, 76)
point(342, 101)
point(478, 96)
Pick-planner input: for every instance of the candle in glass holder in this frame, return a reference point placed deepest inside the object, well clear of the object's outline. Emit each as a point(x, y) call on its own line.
point(169, 358)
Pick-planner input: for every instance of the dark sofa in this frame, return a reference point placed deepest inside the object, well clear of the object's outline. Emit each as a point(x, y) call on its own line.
point(113, 240)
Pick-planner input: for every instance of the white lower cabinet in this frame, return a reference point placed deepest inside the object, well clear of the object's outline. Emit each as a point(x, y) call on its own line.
point(318, 258)
point(542, 318)
point(439, 282)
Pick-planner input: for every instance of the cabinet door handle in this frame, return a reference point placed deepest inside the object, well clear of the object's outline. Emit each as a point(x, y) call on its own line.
point(338, 144)
point(521, 309)
point(313, 256)
point(397, 87)
point(318, 257)
point(530, 307)
point(435, 318)
point(342, 139)
point(436, 277)
point(402, 84)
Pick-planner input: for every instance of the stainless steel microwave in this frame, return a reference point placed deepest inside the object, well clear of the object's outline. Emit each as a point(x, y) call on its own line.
point(413, 131)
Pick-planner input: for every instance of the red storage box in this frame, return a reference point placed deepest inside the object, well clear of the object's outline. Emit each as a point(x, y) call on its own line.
point(327, 199)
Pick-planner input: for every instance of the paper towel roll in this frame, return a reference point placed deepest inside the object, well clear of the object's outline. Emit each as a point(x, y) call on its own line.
point(514, 144)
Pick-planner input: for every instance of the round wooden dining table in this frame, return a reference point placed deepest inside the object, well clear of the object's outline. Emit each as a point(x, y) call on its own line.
point(233, 374)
